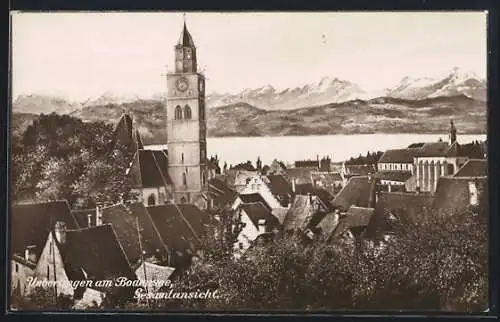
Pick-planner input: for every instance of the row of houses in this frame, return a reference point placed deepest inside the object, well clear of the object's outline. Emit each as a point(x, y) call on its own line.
point(50, 242)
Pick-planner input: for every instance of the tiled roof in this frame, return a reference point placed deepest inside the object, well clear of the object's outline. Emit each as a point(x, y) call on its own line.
point(429, 149)
point(399, 176)
point(470, 150)
point(434, 149)
point(300, 213)
point(453, 195)
point(399, 156)
point(357, 218)
point(123, 133)
point(278, 185)
point(356, 192)
point(185, 40)
point(301, 175)
point(328, 224)
point(257, 211)
point(149, 169)
point(126, 222)
point(411, 205)
point(360, 170)
point(82, 217)
point(254, 197)
point(242, 176)
point(138, 139)
point(97, 252)
point(473, 168)
point(326, 179)
point(304, 188)
point(181, 227)
point(32, 223)
point(220, 191)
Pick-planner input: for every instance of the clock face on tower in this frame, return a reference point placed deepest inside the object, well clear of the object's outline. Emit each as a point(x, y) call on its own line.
point(182, 84)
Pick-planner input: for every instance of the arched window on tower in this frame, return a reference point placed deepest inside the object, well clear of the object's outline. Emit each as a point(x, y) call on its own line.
point(178, 113)
point(187, 112)
point(184, 179)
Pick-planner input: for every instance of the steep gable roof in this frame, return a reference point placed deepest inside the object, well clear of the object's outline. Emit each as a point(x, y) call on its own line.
point(301, 175)
point(278, 185)
point(126, 222)
point(32, 223)
point(82, 217)
point(434, 149)
point(398, 176)
point(399, 155)
point(221, 191)
point(328, 224)
point(123, 132)
point(356, 192)
point(254, 198)
point(97, 251)
point(257, 211)
point(149, 169)
point(410, 205)
point(138, 139)
point(473, 168)
point(181, 227)
point(453, 193)
point(357, 218)
point(300, 213)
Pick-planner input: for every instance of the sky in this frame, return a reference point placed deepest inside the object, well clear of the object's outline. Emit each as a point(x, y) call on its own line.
point(82, 55)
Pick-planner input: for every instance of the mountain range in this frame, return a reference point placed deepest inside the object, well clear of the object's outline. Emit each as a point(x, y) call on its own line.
point(328, 106)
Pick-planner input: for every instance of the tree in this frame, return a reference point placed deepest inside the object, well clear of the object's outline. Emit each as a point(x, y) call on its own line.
point(61, 157)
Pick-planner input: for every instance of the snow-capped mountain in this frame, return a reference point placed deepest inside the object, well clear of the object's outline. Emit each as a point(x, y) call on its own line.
point(326, 90)
point(110, 97)
point(456, 82)
point(38, 103)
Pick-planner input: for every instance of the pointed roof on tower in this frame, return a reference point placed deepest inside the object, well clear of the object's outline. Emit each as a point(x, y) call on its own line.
point(185, 40)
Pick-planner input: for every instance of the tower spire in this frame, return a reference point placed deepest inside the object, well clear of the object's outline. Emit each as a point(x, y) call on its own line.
point(453, 132)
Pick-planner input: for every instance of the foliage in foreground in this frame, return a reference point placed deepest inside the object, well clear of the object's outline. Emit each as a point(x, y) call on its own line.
point(59, 157)
point(437, 264)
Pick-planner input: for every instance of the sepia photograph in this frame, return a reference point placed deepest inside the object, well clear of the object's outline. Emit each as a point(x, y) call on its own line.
point(249, 162)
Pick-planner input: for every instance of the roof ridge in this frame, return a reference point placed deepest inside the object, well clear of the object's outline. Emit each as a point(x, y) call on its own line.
point(187, 222)
point(158, 166)
point(157, 231)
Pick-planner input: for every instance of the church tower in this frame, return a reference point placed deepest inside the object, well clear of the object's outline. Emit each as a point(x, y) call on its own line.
point(186, 124)
point(453, 133)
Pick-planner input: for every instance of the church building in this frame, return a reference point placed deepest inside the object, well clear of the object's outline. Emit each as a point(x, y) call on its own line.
point(180, 173)
point(186, 125)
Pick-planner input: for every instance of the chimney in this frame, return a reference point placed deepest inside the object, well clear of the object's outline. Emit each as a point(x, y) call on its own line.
point(89, 220)
point(98, 216)
point(261, 226)
point(29, 254)
point(60, 232)
point(293, 185)
point(309, 198)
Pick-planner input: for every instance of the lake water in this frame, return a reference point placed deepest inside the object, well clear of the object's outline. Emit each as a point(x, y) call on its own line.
point(234, 150)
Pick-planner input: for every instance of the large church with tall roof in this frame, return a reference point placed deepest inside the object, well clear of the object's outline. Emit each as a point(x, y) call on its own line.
point(180, 173)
